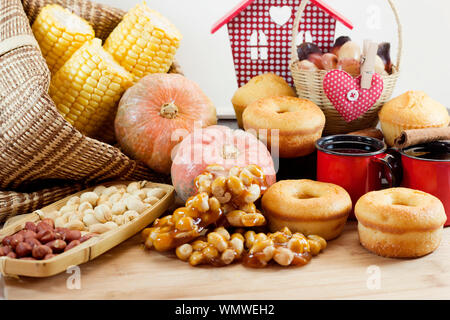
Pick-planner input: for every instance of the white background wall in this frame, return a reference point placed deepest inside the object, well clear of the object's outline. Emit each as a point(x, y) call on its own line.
point(207, 58)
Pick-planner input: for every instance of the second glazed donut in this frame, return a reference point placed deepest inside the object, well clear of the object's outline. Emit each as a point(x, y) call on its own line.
point(307, 206)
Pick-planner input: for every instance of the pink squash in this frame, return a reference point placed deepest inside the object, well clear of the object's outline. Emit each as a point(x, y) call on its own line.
point(217, 145)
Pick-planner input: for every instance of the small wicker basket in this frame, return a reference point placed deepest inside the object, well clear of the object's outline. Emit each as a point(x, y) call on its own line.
point(309, 85)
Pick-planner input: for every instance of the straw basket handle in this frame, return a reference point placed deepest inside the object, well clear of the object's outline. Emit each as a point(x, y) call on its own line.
point(301, 9)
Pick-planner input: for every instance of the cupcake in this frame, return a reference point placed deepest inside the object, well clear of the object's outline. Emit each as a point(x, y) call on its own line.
point(411, 110)
point(263, 86)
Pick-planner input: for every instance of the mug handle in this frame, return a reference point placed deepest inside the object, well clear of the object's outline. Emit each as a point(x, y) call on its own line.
point(392, 162)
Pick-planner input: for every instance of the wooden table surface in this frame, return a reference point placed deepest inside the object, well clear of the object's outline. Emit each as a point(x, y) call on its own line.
point(344, 271)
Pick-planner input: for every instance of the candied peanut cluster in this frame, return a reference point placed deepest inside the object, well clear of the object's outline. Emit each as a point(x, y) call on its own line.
point(232, 193)
point(185, 224)
point(236, 190)
point(283, 247)
point(227, 199)
point(218, 249)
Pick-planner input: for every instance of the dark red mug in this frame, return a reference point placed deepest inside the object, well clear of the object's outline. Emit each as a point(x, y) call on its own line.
point(356, 163)
point(426, 167)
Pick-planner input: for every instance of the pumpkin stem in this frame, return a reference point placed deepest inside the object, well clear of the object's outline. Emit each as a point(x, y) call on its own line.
point(169, 110)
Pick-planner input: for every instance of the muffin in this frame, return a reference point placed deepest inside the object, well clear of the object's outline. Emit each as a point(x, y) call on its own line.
point(411, 110)
point(298, 124)
point(263, 86)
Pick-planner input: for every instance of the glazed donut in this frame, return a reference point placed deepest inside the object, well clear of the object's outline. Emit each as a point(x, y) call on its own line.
point(300, 123)
point(400, 222)
point(307, 206)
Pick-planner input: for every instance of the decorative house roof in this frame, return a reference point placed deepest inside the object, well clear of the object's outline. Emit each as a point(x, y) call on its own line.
point(244, 4)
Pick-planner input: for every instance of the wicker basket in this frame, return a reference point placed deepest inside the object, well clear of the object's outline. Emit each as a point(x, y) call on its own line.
point(42, 157)
point(309, 85)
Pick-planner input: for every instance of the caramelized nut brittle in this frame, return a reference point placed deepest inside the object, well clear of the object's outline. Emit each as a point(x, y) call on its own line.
point(283, 247)
point(184, 225)
point(218, 249)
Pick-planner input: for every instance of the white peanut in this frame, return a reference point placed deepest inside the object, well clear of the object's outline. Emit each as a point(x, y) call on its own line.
point(99, 190)
point(134, 203)
point(89, 219)
point(109, 191)
point(103, 227)
point(85, 206)
point(151, 200)
point(130, 215)
point(134, 186)
point(119, 208)
point(102, 213)
point(75, 225)
point(90, 197)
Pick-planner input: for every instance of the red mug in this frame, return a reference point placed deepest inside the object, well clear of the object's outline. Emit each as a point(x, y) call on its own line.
point(356, 163)
point(426, 167)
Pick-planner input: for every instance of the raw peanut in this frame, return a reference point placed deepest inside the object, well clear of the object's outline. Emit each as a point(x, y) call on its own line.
point(72, 245)
point(7, 240)
point(86, 237)
point(21, 232)
point(11, 255)
point(30, 226)
point(15, 240)
point(50, 222)
point(43, 226)
point(23, 249)
point(57, 245)
point(5, 250)
point(72, 235)
point(33, 242)
point(39, 252)
point(46, 236)
point(62, 232)
point(49, 256)
point(29, 234)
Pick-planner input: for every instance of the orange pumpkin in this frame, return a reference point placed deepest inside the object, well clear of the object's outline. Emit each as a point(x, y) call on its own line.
point(156, 113)
point(217, 145)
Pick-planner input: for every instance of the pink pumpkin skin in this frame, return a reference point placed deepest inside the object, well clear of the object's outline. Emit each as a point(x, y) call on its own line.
point(217, 145)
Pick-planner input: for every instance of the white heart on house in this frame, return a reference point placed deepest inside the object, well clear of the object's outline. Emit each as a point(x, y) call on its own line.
point(280, 15)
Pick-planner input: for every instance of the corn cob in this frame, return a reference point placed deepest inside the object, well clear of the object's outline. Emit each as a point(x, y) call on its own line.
point(144, 42)
point(87, 88)
point(60, 33)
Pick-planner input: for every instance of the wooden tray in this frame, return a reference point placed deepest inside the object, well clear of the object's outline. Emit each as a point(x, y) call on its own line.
point(86, 251)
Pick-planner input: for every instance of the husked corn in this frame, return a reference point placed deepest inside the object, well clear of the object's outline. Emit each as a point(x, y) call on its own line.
point(60, 33)
point(88, 87)
point(144, 42)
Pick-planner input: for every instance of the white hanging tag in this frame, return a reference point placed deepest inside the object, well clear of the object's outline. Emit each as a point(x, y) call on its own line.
point(368, 64)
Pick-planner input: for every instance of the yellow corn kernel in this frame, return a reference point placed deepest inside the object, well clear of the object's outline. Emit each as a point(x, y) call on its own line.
point(55, 29)
point(88, 88)
point(141, 39)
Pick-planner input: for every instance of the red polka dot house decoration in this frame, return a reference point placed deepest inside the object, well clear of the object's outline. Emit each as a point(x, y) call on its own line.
point(260, 34)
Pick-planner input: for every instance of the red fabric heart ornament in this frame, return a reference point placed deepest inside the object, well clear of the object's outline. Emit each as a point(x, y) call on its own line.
point(347, 96)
